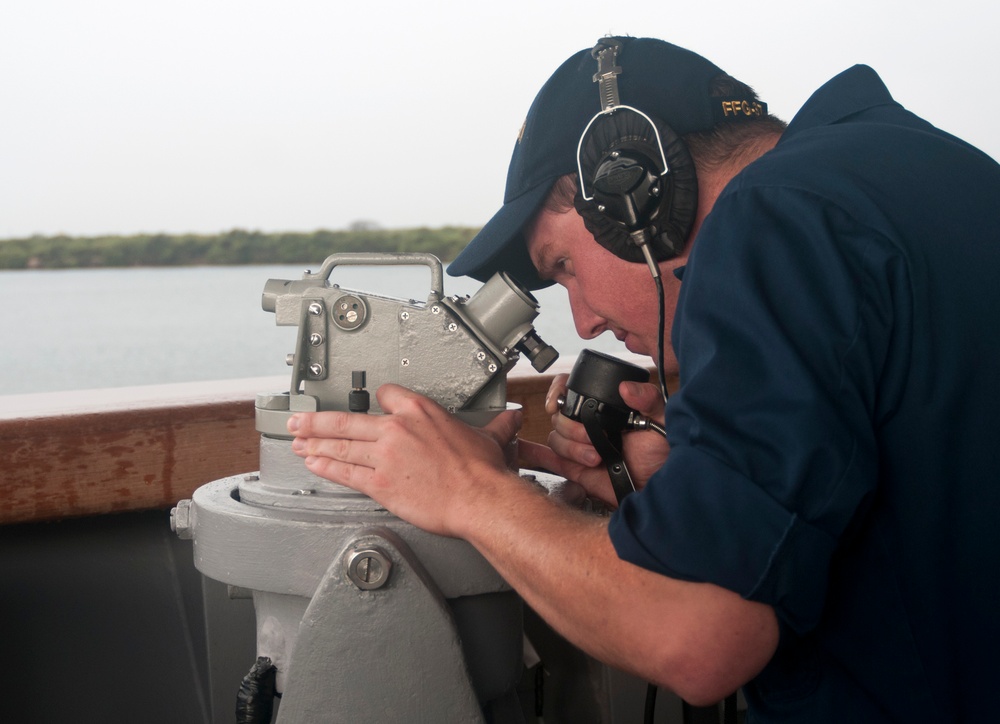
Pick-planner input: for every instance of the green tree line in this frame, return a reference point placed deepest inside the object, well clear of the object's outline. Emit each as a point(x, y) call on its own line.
point(232, 247)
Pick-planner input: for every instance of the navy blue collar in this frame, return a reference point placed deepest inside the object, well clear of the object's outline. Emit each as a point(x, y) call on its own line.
point(853, 91)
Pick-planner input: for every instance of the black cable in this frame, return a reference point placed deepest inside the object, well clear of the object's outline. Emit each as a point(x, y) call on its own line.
point(729, 709)
point(647, 717)
point(642, 238)
point(539, 691)
point(660, 346)
point(255, 698)
point(661, 341)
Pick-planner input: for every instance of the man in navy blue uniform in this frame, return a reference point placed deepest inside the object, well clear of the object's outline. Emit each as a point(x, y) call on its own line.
point(823, 531)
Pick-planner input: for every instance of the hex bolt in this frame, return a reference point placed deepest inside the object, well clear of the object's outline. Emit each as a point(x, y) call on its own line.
point(315, 339)
point(368, 568)
point(180, 520)
point(315, 309)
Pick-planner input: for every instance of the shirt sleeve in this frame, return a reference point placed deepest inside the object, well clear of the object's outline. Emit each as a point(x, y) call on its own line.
point(780, 333)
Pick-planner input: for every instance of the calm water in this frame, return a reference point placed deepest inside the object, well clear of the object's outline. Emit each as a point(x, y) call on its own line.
point(98, 328)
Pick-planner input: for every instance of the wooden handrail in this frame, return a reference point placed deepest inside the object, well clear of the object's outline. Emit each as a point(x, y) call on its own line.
point(107, 451)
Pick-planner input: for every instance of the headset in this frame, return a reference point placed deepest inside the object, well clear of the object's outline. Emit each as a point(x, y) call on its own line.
point(638, 192)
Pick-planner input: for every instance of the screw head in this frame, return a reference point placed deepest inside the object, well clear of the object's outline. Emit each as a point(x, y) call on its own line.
point(315, 309)
point(315, 339)
point(368, 568)
point(316, 369)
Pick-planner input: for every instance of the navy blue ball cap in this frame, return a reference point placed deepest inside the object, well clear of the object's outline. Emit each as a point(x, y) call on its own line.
point(501, 245)
point(662, 80)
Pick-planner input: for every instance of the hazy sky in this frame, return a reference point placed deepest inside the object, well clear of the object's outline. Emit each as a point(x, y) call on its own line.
point(127, 116)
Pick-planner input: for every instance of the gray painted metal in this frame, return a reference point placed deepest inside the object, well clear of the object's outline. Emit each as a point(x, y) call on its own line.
point(365, 640)
point(288, 551)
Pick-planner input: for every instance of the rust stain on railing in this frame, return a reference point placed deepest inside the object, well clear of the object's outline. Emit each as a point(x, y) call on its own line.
point(142, 458)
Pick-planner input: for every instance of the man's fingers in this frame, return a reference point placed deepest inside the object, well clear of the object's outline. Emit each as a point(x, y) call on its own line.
point(355, 452)
point(643, 397)
point(556, 389)
point(333, 425)
point(533, 456)
point(580, 452)
point(569, 429)
point(353, 476)
point(594, 481)
point(504, 426)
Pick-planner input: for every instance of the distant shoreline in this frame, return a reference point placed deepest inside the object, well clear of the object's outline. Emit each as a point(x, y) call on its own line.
point(235, 247)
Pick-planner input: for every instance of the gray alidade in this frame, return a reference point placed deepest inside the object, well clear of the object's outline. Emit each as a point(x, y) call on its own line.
point(348, 597)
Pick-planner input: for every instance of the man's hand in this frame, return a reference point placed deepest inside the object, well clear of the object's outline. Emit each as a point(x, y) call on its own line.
point(571, 455)
point(417, 460)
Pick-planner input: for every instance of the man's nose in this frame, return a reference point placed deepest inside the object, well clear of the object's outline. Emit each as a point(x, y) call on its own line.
point(588, 323)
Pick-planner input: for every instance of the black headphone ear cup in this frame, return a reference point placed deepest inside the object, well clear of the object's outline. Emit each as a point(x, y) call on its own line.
point(627, 133)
